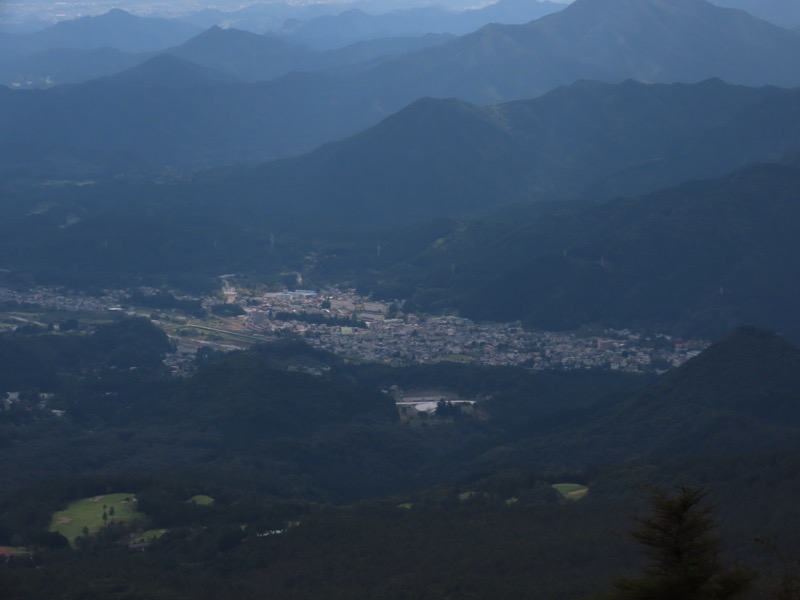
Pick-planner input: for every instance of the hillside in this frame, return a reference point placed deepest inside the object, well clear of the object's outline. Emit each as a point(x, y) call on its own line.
point(678, 40)
point(167, 71)
point(780, 12)
point(738, 397)
point(697, 259)
point(589, 140)
point(248, 56)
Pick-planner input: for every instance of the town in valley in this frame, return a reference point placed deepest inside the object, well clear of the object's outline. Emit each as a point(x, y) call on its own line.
point(350, 325)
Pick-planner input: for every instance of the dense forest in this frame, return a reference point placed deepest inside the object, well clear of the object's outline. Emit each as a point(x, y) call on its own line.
point(319, 488)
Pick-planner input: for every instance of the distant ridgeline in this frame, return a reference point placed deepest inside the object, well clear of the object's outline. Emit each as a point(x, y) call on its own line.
point(280, 99)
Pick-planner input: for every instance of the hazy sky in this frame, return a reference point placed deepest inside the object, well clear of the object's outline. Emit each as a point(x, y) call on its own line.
point(49, 9)
point(56, 10)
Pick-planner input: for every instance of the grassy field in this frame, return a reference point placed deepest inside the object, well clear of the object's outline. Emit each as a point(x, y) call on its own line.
point(202, 500)
point(571, 491)
point(88, 513)
point(148, 536)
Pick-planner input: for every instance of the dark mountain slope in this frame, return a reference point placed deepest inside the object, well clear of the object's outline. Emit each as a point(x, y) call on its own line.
point(219, 124)
point(634, 138)
point(697, 259)
point(249, 56)
point(444, 158)
point(738, 397)
point(436, 157)
point(755, 373)
point(171, 72)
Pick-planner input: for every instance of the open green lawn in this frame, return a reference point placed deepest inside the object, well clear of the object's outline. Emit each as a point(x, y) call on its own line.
point(148, 536)
point(88, 513)
point(571, 491)
point(202, 500)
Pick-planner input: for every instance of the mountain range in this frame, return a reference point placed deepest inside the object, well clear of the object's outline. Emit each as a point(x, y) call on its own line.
point(116, 29)
point(590, 140)
point(333, 31)
point(780, 12)
point(237, 54)
point(591, 39)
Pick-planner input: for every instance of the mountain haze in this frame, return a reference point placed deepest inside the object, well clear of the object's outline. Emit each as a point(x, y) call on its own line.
point(64, 65)
point(332, 31)
point(652, 41)
point(249, 56)
point(446, 158)
point(674, 40)
point(253, 57)
point(116, 29)
point(166, 70)
point(610, 40)
point(785, 13)
point(244, 55)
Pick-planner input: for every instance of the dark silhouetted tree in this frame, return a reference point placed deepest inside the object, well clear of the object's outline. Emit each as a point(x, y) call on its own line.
point(682, 552)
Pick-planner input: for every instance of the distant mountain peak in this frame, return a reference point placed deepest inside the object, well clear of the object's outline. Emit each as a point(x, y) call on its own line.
point(671, 40)
point(118, 12)
point(115, 29)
